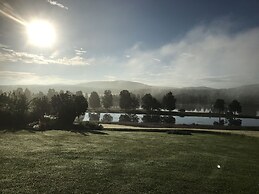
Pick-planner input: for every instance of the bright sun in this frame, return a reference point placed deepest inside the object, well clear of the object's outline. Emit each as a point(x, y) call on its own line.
point(41, 33)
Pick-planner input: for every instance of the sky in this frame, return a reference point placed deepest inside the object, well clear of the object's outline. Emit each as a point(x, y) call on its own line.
point(177, 43)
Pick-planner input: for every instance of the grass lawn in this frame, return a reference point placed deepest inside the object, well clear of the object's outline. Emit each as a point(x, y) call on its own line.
point(127, 162)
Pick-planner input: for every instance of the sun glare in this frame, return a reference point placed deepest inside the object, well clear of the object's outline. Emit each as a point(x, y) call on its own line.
point(41, 33)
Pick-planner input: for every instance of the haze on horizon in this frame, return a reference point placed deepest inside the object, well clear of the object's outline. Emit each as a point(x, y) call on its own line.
point(169, 43)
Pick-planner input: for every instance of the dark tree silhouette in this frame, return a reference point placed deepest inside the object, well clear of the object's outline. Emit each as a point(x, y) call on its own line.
point(235, 107)
point(150, 103)
point(156, 105)
point(134, 101)
point(125, 100)
point(68, 106)
point(5, 109)
point(19, 104)
point(219, 107)
point(107, 99)
point(18, 107)
point(94, 100)
point(40, 106)
point(168, 101)
point(147, 101)
point(81, 105)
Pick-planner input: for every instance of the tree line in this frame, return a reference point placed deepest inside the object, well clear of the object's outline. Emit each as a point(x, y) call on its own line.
point(22, 107)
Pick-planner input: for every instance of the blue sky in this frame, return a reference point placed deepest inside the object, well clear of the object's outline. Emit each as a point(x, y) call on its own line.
point(177, 43)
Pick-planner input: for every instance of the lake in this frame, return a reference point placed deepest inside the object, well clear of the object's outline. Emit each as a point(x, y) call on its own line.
point(183, 120)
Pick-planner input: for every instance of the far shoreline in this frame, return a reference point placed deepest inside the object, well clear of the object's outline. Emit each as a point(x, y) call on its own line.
point(173, 113)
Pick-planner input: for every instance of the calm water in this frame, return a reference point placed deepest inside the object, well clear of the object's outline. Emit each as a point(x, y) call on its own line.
point(184, 120)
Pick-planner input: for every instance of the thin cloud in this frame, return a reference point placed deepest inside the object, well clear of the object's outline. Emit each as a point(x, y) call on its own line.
point(10, 55)
point(27, 78)
point(80, 51)
point(157, 60)
point(57, 4)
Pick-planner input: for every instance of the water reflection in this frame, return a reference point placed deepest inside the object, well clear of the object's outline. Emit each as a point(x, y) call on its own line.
point(129, 118)
point(95, 117)
point(107, 118)
point(151, 118)
point(168, 119)
point(188, 120)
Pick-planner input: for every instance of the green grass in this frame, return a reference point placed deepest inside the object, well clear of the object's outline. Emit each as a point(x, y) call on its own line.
point(127, 162)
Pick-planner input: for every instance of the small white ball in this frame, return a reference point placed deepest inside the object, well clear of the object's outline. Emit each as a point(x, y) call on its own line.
point(218, 166)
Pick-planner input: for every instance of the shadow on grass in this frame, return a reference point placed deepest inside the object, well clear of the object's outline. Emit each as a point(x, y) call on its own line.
point(173, 132)
point(180, 132)
point(73, 128)
point(191, 132)
point(85, 132)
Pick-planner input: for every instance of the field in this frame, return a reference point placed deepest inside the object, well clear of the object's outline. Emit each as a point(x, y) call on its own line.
point(127, 162)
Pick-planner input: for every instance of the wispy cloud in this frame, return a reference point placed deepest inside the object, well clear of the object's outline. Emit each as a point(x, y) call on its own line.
point(80, 51)
point(155, 59)
point(57, 4)
point(27, 78)
point(11, 55)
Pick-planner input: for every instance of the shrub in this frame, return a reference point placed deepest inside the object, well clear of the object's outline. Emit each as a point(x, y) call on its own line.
point(107, 118)
point(95, 117)
point(169, 119)
point(220, 123)
point(129, 118)
point(235, 122)
point(124, 118)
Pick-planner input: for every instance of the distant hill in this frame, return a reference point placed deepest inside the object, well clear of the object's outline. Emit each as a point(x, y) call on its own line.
point(252, 90)
point(98, 86)
point(140, 88)
point(115, 85)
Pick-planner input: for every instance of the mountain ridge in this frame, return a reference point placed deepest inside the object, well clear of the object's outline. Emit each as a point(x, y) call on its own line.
point(118, 85)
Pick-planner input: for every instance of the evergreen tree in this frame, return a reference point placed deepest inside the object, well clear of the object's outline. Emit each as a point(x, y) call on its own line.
point(94, 100)
point(235, 107)
point(168, 101)
point(107, 99)
point(125, 100)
